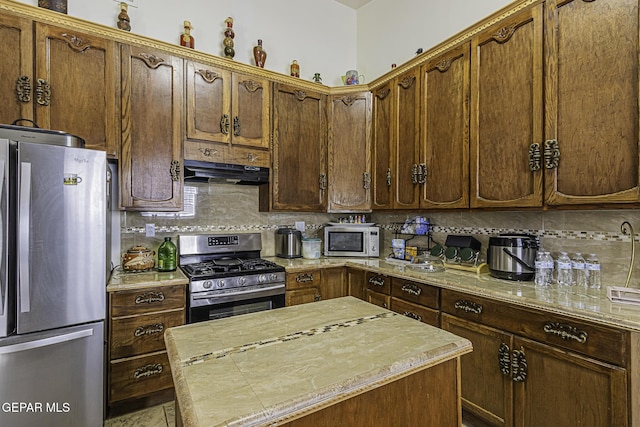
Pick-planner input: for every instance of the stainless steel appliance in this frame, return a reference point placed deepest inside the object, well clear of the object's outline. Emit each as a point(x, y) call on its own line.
point(353, 240)
point(512, 256)
point(53, 225)
point(227, 277)
point(288, 243)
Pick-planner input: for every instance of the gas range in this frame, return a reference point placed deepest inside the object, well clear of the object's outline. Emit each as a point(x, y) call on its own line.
point(227, 276)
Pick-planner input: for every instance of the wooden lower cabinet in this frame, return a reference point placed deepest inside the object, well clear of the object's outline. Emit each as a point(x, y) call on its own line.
point(356, 283)
point(416, 300)
point(139, 374)
point(572, 376)
point(378, 289)
point(315, 285)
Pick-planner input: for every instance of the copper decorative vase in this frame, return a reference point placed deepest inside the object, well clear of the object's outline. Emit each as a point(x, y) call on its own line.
point(259, 54)
point(55, 5)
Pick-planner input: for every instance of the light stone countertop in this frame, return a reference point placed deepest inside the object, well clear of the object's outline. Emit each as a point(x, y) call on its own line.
point(595, 306)
point(125, 281)
point(269, 367)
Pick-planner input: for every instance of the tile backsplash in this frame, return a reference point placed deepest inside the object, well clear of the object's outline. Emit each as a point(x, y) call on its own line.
point(225, 207)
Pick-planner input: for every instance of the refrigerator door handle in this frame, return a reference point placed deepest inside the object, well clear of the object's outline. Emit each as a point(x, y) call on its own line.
point(3, 284)
point(23, 250)
point(15, 348)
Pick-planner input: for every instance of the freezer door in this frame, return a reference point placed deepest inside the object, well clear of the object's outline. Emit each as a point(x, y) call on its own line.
point(61, 236)
point(7, 260)
point(53, 378)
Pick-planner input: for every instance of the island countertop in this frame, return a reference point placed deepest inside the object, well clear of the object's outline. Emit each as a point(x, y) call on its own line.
point(270, 367)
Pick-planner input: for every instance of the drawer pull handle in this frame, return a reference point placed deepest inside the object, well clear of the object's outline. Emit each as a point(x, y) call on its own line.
point(317, 298)
point(149, 329)
point(412, 289)
point(468, 306)
point(376, 281)
point(150, 297)
point(413, 315)
point(504, 359)
point(304, 278)
point(518, 366)
point(148, 371)
point(566, 332)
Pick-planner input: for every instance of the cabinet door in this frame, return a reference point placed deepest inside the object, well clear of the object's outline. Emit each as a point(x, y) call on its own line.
point(81, 73)
point(349, 148)
point(506, 112)
point(487, 389)
point(299, 150)
point(591, 105)
point(378, 299)
point(356, 282)
point(151, 159)
point(333, 283)
point(382, 158)
point(572, 390)
point(250, 103)
point(208, 103)
point(16, 68)
point(407, 140)
point(445, 139)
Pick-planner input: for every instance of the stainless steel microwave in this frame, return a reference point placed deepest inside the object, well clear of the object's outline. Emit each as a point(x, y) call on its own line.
point(352, 240)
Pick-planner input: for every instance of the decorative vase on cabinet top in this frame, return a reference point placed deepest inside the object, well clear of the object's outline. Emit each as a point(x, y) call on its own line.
point(259, 54)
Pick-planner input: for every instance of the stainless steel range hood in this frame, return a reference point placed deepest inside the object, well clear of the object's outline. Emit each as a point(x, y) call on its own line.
point(199, 171)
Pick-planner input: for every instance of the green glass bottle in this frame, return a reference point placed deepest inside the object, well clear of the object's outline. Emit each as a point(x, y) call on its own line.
point(167, 255)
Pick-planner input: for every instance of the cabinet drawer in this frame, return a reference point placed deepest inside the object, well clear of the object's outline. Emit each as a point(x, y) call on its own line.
point(303, 279)
point(599, 342)
point(418, 293)
point(378, 299)
point(127, 303)
point(379, 283)
point(132, 336)
point(140, 376)
point(414, 311)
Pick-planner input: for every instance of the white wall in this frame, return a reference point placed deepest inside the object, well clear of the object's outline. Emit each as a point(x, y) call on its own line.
point(390, 31)
point(320, 35)
point(324, 36)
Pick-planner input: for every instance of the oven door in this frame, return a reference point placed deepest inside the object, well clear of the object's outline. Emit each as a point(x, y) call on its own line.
point(205, 306)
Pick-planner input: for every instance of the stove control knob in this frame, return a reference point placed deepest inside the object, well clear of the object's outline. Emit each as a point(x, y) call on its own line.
point(221, 283)
point(207, 284)
point(242, 280)
point(262, 278)
point(273, 276)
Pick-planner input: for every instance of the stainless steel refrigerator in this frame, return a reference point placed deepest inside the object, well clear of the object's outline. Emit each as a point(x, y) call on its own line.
point(53, 234)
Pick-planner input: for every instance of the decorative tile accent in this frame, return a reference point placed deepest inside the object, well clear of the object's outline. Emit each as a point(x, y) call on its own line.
point(215, 228)
point(285, 338)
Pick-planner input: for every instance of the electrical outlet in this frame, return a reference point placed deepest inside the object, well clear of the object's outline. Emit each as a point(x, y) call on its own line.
point(150, 230)
point(131, 3)
point(300, 226)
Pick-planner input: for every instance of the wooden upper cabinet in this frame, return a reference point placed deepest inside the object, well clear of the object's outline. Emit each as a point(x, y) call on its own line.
point(16, 69)
point(382, 148)
point(227, 107)
point(506, 112)
point(407, 139)
point(62, 79)
point(299, 172)
point(592, 112)
point(349, 148)
point(82, 73)
point(151, 156)
point(444, 170)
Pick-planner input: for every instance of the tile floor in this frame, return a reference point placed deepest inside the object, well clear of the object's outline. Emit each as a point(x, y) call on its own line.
point(156, 416)
point(160, 416)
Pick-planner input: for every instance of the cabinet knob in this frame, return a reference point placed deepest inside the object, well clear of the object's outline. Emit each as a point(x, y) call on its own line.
point(236, 126)
point(468, 306)
point(155, 328)
point(224, 124)
point(518, 366)
point(566, 332)
point(149, 370)
point(23, 89)
point(149, 297)
point(43, 92)
point(551, 154)
point(534, 157)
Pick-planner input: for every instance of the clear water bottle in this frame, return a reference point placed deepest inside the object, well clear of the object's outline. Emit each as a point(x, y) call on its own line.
point(167, 256)
point(579, 274)
point(564, 270)
point(548, 261)
point(593, 272)
point(541, 271)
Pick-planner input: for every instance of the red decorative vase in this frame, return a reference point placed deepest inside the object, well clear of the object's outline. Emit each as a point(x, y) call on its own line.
point(259, 54)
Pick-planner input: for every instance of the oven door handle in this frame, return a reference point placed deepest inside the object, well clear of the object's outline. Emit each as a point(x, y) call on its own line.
point(216, 297)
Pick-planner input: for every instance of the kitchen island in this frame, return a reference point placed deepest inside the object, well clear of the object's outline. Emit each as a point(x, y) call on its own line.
point(335, 362)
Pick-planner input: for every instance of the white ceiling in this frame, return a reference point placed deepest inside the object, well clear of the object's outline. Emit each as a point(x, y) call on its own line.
point(354, 4)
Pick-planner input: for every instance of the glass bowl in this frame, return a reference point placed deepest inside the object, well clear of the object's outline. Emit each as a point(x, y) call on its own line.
point(427, 263)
